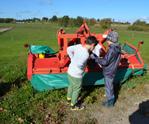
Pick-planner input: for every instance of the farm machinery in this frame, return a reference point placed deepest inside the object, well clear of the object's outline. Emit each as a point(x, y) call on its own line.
point(47, 69)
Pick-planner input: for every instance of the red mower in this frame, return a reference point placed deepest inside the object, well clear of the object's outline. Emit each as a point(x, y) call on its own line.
point(47, 69)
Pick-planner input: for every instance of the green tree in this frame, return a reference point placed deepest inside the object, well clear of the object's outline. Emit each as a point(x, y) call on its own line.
point(45, 19)
point(139, 22)
point(35, 19)
point(7, 20)
point(64, 21)
point(105, 23)
point(54, 19)
point(72, 22)
point(91, 21)
point(139, 25)
point(79, 21)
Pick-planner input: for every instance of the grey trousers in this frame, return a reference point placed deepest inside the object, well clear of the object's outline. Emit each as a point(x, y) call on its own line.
point(109, 88)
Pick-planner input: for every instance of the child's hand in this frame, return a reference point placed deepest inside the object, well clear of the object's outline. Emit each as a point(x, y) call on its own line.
point(93, 56)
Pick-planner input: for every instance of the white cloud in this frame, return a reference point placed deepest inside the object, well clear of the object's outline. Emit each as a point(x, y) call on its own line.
point(145, 18)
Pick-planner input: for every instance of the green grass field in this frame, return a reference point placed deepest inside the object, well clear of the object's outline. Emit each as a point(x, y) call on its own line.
point(18, 101)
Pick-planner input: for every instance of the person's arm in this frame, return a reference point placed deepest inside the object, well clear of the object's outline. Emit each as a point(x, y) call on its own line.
point(70, 51)
point(106, 60)
point(95, 57)
point(97, 50)
point(102, 61)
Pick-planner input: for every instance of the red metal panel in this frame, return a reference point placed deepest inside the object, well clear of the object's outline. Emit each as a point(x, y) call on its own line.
point(46, 63)
point(29, 66)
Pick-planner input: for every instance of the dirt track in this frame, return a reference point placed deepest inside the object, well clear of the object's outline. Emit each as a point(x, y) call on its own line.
point(129, 109)
point(5, 29)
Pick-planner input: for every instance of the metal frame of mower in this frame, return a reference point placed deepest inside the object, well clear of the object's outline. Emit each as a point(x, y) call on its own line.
point(58, 63)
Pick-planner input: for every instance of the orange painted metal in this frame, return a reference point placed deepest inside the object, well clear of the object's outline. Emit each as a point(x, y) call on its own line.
point(59, 62)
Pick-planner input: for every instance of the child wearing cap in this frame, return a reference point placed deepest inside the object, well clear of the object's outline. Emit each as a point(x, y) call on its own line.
point(109, 65)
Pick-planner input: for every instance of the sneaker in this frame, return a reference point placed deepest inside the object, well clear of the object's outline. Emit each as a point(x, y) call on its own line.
point(77, 107)
point(109, 103)
point(68, 101)
point(68, 98)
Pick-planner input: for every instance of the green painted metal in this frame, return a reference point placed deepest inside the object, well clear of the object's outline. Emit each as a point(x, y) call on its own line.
point(43, 82)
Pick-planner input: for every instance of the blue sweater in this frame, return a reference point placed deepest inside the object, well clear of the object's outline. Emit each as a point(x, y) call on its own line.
point(111, 60)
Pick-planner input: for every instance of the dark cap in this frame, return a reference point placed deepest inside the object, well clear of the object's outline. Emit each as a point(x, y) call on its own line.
point(113, 37)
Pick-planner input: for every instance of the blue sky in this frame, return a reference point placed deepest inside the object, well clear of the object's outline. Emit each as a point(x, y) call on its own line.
point(122, 10)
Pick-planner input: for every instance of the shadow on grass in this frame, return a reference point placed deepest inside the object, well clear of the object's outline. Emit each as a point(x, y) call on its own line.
point(96, 79)
point(141, 116)
point(87, 92)
point(6, 86)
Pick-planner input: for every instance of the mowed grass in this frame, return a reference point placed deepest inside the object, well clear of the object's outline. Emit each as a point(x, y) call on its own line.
point(20, 103)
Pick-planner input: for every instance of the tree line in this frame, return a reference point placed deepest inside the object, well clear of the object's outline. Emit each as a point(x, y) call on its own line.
point(69, 21)
point(64, 21)
point(7, 20)
point(139, 25)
